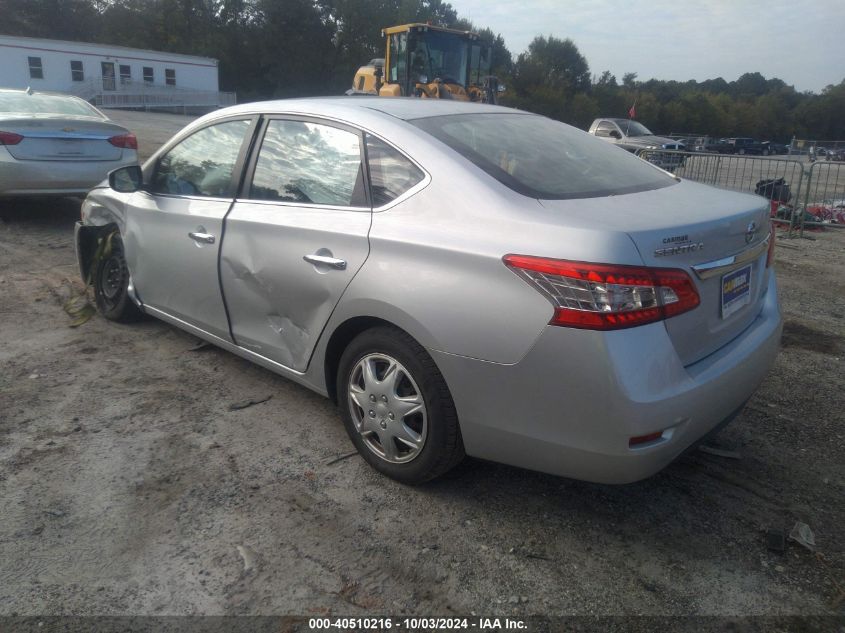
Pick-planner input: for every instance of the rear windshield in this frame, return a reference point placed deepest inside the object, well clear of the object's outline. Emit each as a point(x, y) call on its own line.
point(542, 158)
point(22, 103)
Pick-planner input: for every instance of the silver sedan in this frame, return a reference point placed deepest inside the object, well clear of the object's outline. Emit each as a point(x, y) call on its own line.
point(461, 279)
point(56, 144)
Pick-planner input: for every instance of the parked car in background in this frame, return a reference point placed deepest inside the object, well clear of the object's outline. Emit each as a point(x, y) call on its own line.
point(836, 154)
point(739, 145)
point(460, 278)
point(634, 137)
point(777, 148)
point(56, 144)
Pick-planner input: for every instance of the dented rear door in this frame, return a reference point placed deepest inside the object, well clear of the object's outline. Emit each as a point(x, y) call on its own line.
point(295, 237)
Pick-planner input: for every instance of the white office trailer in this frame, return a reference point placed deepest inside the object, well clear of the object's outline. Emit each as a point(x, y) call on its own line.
point(111, 76)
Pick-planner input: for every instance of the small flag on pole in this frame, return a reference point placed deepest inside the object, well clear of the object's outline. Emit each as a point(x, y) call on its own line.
point(632, 113)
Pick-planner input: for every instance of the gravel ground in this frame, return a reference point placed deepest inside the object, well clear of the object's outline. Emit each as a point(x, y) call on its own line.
point(131, 486)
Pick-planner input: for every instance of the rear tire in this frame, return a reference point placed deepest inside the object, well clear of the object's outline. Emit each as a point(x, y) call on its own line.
point(111, 284)
point(397, 408)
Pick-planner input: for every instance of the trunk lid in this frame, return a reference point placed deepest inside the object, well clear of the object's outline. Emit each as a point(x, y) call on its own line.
point(691, 226)
point(49, 137)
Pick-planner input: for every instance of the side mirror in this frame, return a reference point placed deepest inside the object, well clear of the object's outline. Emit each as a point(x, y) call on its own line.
point(615, 134)
point(126, 179)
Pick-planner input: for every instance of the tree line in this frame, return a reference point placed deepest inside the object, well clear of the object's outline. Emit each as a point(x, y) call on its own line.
point(292, 48)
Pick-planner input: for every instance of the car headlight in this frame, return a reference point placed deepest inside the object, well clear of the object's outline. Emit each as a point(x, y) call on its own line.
point(85, 210)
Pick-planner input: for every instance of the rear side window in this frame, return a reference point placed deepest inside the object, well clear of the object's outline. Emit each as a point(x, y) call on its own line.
point(309, 163)
point(203, 163)
point(391, 173)
point(542, 158)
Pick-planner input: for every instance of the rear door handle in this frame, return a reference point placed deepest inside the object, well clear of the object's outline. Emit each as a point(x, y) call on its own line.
point(331, 262)
point(206, 238)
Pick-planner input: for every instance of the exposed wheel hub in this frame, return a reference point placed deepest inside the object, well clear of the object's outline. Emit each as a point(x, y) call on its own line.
point(112, 278)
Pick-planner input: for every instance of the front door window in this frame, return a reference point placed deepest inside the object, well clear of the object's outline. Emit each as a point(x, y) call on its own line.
point(202, 164)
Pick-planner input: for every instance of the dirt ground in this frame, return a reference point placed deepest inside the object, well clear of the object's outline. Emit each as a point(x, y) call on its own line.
point(130, 484)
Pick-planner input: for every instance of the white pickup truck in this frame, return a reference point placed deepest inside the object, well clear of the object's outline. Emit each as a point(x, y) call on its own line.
point(637, 138)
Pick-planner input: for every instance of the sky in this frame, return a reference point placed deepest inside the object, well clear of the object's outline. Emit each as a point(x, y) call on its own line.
point(799, 41)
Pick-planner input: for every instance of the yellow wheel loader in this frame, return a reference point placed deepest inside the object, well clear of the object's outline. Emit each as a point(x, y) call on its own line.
point(429, 61)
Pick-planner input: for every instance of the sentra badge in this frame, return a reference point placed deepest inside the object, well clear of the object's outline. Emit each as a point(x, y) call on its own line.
point(677, 245)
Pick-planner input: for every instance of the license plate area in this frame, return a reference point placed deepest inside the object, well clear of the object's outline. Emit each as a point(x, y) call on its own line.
point(736, 291)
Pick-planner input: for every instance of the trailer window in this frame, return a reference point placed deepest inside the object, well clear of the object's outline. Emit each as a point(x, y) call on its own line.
point(36, 70)
point(149, 77)
point(76, 73)
point(125, 73)
point(170, 76)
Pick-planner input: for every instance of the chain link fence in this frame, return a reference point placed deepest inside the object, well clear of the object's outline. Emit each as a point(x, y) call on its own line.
point(818, 150)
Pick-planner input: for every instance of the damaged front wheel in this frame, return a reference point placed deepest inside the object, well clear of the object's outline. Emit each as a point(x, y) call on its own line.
point(111, 284)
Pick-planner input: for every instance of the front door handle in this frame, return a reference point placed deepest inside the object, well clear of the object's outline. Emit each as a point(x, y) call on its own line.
point(205, 238)
point(331, 262)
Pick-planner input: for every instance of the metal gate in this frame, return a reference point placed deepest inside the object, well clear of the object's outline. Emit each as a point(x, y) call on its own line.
point(825, 195)
point(800, 193)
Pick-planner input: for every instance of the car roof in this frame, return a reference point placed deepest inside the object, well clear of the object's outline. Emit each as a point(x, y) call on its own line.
point(405, 108)
point(96, 113)
point(21, 91)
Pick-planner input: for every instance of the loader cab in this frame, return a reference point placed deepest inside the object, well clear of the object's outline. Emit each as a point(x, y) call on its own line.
point(423, 60)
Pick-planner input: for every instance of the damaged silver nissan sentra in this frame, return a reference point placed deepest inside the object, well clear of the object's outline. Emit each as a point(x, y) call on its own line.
point(459, 278)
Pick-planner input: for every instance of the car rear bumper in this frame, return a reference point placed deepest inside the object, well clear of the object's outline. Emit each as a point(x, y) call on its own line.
point(55, 177)
point(572, 404)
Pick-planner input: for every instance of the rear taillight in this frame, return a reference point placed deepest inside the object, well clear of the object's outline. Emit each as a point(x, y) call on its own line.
point(605, 296)
point(770, 256)
point(126, 141)
point(10, 138)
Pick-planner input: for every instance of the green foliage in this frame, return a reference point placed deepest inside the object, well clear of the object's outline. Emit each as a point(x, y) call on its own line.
point(288, 48)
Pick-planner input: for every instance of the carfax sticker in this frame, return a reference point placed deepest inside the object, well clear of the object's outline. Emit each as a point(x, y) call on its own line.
point(736, 291)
